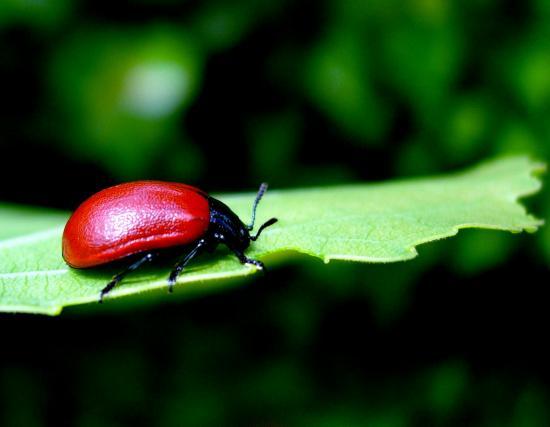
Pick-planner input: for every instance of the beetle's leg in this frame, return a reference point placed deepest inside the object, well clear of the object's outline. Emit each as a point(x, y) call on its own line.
point(118, 277)
point(245, 260)
point(180, 265)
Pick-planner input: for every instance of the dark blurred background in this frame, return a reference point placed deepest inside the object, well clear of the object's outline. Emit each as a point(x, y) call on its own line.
point(226, 94)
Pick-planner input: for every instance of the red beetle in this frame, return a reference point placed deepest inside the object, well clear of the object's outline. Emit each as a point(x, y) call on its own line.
point(139, 218)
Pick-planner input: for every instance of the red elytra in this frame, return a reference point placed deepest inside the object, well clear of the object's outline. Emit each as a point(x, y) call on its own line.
point(134, 217)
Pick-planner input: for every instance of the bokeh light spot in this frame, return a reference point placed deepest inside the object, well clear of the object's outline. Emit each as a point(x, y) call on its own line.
point(155, 89)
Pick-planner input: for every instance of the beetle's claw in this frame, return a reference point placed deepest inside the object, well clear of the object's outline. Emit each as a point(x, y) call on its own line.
point(258, 264)
point(171, 283)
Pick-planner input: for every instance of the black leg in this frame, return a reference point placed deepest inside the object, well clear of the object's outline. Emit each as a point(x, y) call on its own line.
point(118, 277)
point(201, 245)
point(245, 260)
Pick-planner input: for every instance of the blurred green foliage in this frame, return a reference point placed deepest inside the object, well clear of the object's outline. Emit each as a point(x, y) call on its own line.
point(121, 94)
point(40, 15)
point(230, 92)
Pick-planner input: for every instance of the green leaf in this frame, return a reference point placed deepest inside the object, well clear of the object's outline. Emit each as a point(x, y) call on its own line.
point(381, 222)
point(20, 220)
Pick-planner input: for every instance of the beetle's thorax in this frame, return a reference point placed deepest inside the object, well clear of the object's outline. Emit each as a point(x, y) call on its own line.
point(226, 226)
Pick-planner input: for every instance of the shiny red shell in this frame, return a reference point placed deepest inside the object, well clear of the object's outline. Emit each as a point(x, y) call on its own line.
point(134, 217)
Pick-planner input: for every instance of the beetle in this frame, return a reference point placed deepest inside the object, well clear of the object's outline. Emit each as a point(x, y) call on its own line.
point(137, 219)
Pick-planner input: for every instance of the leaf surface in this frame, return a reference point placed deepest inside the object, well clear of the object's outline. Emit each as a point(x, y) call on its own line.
point(381, 222)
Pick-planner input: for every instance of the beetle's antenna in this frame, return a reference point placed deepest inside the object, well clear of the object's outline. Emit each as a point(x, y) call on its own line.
point(264, 225)
point(261, 191)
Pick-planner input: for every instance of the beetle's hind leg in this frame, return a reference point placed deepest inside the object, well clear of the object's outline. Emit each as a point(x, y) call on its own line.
point(118, 277)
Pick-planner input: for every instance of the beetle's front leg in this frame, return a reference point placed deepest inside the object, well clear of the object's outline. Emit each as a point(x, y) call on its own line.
point(246, 260)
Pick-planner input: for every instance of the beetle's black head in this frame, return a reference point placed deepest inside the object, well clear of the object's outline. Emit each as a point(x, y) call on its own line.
point(226, 227)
